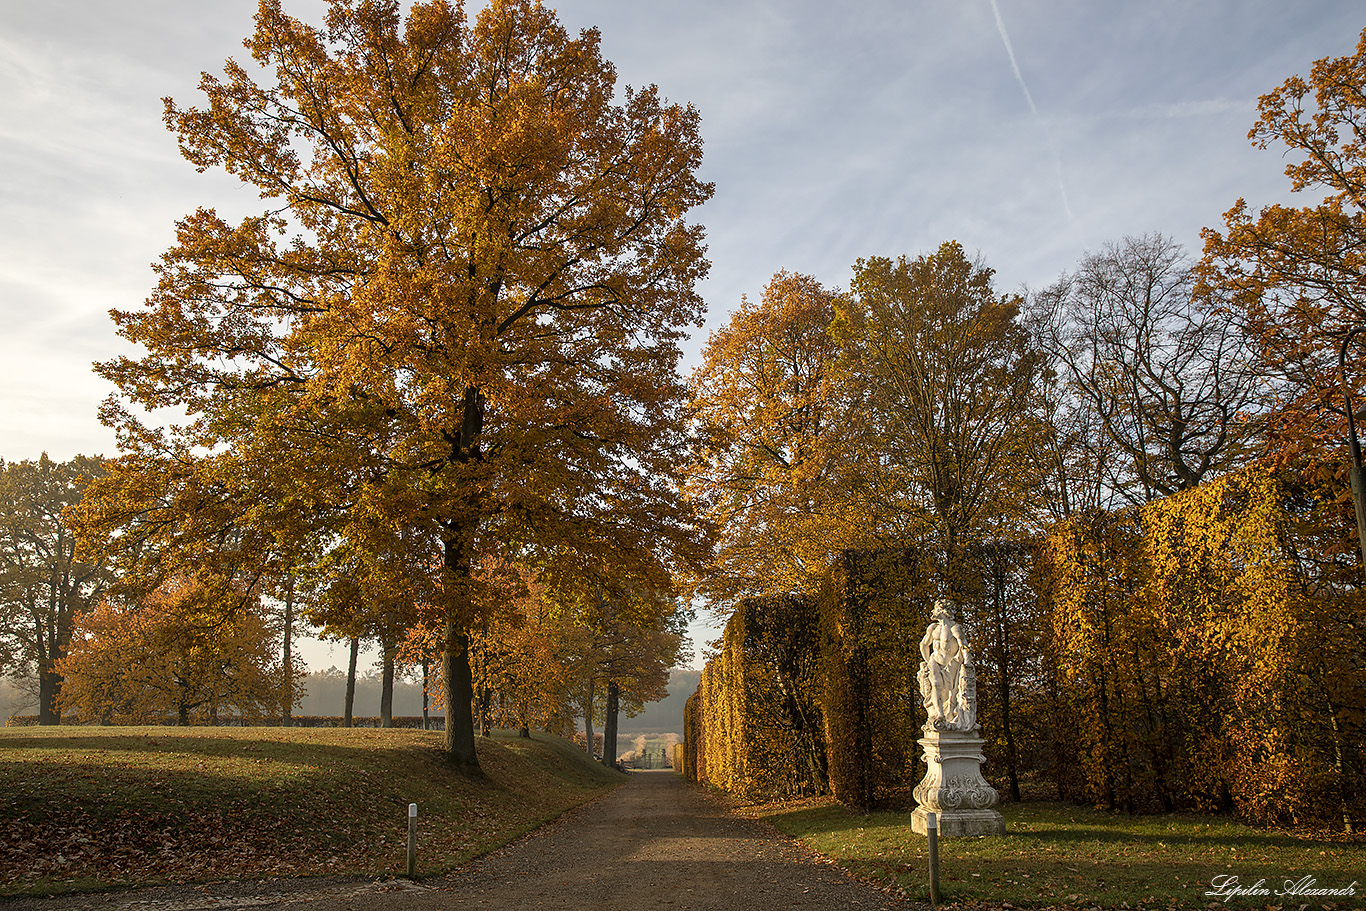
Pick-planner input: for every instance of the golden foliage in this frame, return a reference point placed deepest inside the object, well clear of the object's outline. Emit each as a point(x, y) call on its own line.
point(190, 650)
point(1208, 661)
point(950, 445)
point(874, 607)
point(755, 721)
point(772, 417)
point(900, 413)
point(1293, 277)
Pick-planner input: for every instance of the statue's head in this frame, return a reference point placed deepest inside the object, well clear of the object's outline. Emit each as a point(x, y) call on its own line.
point(943, 610)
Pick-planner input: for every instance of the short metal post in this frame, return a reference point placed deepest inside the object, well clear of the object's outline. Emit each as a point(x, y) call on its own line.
point(412, 839)
point(932, 831)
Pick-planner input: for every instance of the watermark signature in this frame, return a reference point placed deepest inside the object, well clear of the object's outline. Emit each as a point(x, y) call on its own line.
point(1227, 885)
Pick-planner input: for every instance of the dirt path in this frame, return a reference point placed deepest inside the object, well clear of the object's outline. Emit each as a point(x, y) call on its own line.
point(656, 842)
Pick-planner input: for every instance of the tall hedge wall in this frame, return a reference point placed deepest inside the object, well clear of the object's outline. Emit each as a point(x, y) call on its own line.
point(692, 737)
point(874, 607)
point(777, 639)
point(1209, 652)
point(1204, 651)
point(754, 725)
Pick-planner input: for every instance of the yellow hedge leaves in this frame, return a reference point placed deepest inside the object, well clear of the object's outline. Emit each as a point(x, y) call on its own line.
point(1208, 653)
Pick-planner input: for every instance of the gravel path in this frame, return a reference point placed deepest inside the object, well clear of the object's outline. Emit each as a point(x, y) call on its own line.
point(659, 842)
point(656, 842)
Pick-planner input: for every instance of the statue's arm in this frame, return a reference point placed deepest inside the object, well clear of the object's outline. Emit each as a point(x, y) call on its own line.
point(962, 644)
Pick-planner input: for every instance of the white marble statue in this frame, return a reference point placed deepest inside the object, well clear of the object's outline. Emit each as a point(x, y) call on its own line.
point(953, 787)
point(947, 679)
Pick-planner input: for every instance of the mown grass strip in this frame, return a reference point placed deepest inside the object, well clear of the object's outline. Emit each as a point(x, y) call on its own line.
point(1058, 854)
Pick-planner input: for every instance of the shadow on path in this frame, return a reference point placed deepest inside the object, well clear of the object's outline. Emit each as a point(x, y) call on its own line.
point(659, 842)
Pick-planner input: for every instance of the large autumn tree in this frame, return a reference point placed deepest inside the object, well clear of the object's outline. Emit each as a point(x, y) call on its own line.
point(460, 309)
point(772, 416)
point(951, 420)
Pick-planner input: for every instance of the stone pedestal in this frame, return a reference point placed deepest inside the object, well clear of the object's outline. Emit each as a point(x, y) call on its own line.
point(954, 789)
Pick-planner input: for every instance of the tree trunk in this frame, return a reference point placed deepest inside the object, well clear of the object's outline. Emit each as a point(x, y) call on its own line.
point(386, 690)
point(349, 712)
point(455, 659)
point(1003, 670)
point(609, 730)
point(49, 685)
point(50, 647)
point(287, 703)
point(1344, 780)
point(426, 697)
point(588, 719)
point(1007, 727)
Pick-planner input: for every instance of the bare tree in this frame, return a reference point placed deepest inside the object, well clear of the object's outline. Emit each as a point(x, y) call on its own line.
point(1164, 374)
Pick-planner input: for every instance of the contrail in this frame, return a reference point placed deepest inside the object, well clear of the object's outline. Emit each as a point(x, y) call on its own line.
point(1029, 100)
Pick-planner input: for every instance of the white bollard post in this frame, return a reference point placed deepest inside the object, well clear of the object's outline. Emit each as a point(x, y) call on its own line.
point(412, 840)
point(932, 832)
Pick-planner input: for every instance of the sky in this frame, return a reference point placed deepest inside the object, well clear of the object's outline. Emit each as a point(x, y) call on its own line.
point(1030, 131)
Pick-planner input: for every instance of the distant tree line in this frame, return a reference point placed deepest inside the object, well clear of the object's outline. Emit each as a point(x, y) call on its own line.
point(192, 653)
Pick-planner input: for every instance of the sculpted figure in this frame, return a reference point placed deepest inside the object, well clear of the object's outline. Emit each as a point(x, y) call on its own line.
point(953, 786)
point(946, 673)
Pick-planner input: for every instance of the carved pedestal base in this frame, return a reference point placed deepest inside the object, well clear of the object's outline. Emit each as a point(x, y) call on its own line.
point(953, 788)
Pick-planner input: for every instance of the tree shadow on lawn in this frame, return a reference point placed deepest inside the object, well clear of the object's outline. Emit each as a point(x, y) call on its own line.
point(1040, 824)
point(1115, 836)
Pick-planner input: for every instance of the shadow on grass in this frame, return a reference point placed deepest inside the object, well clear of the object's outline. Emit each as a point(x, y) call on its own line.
point(1081, 835)
point(1034, 825)
point(300, 746)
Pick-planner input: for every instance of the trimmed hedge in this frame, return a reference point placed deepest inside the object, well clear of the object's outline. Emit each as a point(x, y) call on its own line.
point(1203, 651)
point(1208, 647)
point(874, 607)
point(820, 695)
point(754, 726)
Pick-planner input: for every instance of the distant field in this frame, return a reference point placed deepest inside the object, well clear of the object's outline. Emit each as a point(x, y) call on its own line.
point(90, 808)
point(1060, 854)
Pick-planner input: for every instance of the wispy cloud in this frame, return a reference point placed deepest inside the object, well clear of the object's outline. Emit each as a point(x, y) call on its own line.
point(1183, 110)
point(1033, 108)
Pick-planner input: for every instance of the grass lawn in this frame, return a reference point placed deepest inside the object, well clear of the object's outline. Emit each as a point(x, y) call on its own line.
point(89, 808)
point(1060, 854)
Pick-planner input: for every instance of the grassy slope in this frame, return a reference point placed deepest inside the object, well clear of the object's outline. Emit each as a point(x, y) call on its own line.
point(87, 808)
point(1067, 855)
